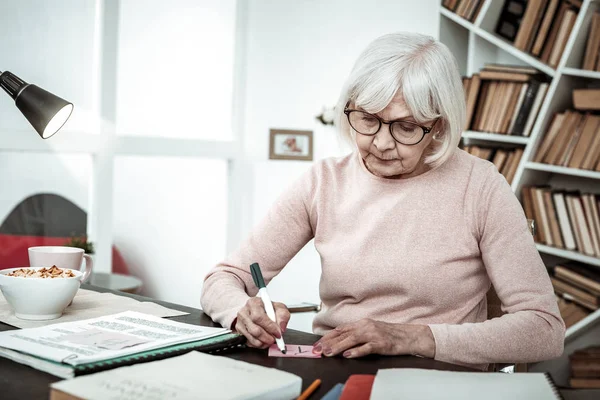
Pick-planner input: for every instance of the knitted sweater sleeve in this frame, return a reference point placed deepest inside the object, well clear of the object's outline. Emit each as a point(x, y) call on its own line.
point(274, 241)
point(532, 330)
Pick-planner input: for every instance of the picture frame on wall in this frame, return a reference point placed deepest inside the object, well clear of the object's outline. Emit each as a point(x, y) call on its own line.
point(286, 144)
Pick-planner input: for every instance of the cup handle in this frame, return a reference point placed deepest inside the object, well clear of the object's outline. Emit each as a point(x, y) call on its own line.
point(89, 265)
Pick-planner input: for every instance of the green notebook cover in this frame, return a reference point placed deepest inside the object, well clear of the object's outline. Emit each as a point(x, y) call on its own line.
point(210, 345)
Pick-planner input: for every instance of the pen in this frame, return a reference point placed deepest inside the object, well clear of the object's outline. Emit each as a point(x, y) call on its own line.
point(264, 296)
point(309, 390)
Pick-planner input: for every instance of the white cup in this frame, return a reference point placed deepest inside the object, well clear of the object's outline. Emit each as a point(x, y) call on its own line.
point(62, 257)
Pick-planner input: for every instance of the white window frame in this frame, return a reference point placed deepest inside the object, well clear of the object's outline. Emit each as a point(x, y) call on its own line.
point(105, 145)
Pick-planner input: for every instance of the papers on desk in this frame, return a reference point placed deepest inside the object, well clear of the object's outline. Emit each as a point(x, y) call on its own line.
point(89, 304)
point(409, 384)
point(58, 348)
point(190, 376)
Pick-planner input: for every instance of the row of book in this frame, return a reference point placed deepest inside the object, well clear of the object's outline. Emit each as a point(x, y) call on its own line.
point(578, 283)
point(585, 368)
point(506, 160)
point(504, 99)
point(591, 57)
point(539, 27)
point(467, 9)
point(571, 140)
point(565, 220)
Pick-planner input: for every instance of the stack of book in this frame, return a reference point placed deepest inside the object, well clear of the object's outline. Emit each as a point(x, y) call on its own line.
point(578, 283)
point(467, 9)
point(539, 27)
point(591, 61)
point(566, 220)
point(572, 140)
point(585, 368)
point(505, 159)
point(504, 99)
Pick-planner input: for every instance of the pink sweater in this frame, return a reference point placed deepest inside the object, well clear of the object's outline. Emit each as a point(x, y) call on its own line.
point(422, 250)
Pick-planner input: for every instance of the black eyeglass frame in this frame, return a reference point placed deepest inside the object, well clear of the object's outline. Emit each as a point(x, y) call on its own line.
point(425, 129)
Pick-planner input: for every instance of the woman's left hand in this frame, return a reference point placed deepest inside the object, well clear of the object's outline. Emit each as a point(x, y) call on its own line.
point(375, 337)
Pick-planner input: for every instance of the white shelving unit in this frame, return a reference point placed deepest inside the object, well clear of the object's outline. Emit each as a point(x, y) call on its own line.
point(474, 45)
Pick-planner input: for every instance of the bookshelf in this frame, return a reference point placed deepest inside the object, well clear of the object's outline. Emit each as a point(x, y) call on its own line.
point(476, 44)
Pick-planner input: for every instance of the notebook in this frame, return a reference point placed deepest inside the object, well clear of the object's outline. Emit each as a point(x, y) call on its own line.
point(358, 387)
point(409, 384)
point(190, 376)
point(82, 347)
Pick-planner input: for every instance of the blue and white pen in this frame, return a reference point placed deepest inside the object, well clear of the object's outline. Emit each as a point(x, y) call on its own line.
point(264, 296)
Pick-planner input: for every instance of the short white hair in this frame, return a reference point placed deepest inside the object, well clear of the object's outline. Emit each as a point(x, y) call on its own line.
point(425, 72)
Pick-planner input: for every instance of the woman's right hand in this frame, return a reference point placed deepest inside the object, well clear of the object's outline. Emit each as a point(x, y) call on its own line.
point(253, 322)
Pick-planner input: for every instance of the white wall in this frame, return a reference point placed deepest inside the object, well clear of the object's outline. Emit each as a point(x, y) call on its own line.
point(298, 55)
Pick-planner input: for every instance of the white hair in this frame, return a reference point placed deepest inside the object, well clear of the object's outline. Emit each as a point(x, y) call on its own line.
point(425, 72)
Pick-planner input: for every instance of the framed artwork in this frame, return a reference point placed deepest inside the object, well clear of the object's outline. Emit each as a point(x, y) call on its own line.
point(287, 144)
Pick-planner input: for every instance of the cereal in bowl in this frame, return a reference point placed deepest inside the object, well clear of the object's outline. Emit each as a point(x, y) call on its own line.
point(52, 272)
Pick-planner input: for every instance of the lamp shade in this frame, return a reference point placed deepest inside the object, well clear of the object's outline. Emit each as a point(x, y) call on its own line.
point(46, 112)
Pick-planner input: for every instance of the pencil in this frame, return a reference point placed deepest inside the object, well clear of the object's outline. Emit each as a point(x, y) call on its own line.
point(309, 390)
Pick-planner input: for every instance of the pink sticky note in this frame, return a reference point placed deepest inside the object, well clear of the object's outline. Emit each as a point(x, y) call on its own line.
point(293, 351)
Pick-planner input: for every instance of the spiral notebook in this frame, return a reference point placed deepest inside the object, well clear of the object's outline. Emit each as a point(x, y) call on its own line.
point(76, 348)
point(411, 384)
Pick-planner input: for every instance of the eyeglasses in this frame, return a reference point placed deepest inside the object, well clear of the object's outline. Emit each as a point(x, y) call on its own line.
point(404, 132)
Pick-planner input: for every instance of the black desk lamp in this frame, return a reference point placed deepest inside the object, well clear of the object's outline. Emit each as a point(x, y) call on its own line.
point(45, 111)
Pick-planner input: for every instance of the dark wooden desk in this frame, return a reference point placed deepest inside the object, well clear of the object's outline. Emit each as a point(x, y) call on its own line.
point(18, 381)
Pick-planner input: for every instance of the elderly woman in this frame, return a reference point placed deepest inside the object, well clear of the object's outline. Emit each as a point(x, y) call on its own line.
point(411, 230)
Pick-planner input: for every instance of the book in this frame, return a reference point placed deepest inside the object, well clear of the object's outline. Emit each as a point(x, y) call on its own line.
point(358, 387)
point(511, 68)
point(573, 293)
point(529, 24)
point(491, 75)
point(551, 133)
point(591, 216)
point(190, 376)
point(562, 37)
point(593, 153)
point(583, 227)
point(569, 199)
point(544, 221)
point(571, 142)
point(554, 28)
point(571, 312)
point(412, 383)
point(523, 113)
point(589, 129)
point(579, 275)
point(553, 220)
point(107, 342)
point(593, 44)
point(334, 393)
point(586, 99)
point(545, 27)
point(518, 104)
point(567, 128)
point(535, 108)
point(473, 92)
point(563, 220)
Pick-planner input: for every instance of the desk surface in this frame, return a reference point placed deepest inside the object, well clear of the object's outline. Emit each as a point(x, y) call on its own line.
point(21, 382)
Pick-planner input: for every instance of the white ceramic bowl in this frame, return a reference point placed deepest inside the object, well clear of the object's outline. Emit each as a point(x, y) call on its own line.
point(39, 298)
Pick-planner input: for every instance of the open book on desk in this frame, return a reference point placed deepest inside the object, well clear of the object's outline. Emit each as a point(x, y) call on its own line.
point(190, 376)
point(409, 384)
point(76, 348)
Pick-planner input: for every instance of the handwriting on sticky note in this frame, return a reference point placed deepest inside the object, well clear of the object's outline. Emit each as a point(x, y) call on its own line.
point(293, 351)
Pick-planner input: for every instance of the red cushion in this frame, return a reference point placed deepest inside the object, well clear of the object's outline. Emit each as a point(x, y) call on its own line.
point(13, 251)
